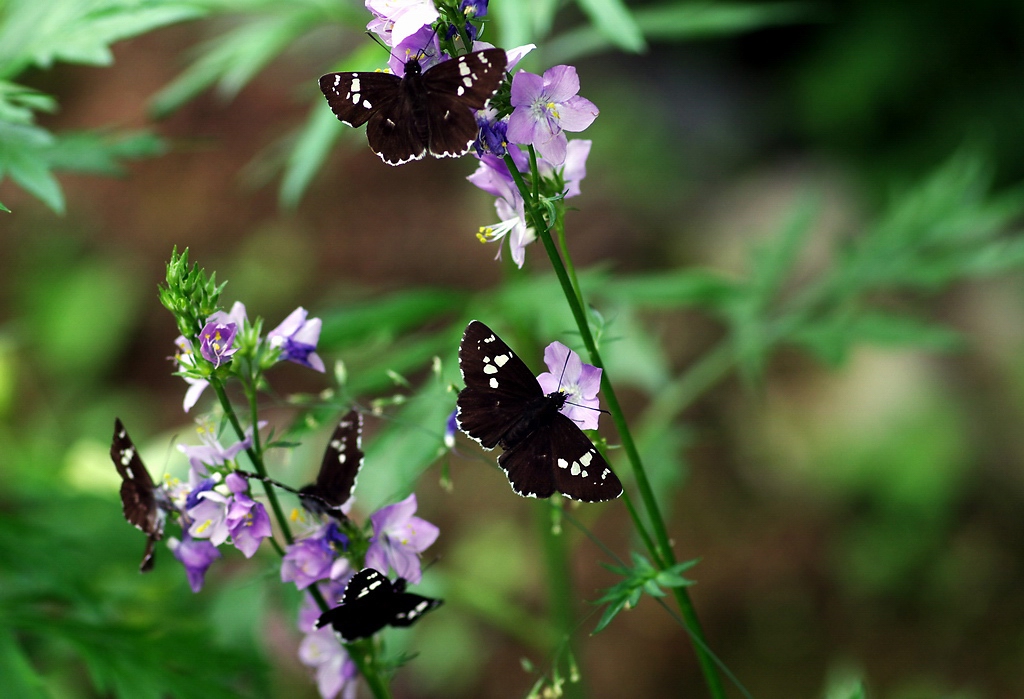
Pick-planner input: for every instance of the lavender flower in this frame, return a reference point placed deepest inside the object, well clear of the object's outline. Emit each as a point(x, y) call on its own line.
point(395, 20)
point(185, 359)
point(216, 340)
point(210, 452)
point(398, 539)
point(545, 107)
point(451, 428)
point(578, 381)
point(209, 517)
point(493, 177)
point(196, 555)
point(313, 558)
point(335, 671)
point(297, 337)
point(247, 520)
point(423, 45)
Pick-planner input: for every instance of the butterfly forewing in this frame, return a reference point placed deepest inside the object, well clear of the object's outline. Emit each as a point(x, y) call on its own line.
point(499, 386)
point(138, 493)
point(340, 467)
point(420, 112)
point(354, 97)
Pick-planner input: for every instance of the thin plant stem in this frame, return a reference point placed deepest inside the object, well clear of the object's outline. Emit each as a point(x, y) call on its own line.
point(662, 553)
point(363, 653)
point(559, 577)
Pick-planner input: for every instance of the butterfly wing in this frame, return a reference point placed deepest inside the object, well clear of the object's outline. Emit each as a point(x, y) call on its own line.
point(453, 90)
point(392, 135)
point(499, 386)
point(138, 493)
point(472, 79)
point(355, 97)
point(558, 456)
point(407, 607)
point(365, 606)
point(340, 467)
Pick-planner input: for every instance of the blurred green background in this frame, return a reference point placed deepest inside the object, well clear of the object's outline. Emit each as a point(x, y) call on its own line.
point(822, 198)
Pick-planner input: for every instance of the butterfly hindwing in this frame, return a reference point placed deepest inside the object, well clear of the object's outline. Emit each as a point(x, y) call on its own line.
point(370, 602)
point(138, 493)
point(432, 110)
point(499, 385)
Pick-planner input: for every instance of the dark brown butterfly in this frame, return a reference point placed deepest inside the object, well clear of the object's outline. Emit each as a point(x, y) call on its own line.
point(504, 405)
point(144, 504)
point(339, 469)
point(425, 111)
point(371, 602)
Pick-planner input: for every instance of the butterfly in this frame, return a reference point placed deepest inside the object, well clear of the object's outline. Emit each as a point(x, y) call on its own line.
point(143, 503)
point(370, 602)
point(339, 469)
point(504, 405)
point(429, 110)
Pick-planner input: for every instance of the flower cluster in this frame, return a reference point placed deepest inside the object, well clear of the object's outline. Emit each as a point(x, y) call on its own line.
point(224, 335)
point(532, 115)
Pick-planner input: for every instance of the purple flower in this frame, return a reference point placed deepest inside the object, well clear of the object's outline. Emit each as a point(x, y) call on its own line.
point(312, 558)
point(545, 106)
point(492, 138)
point(296, 337)
point(578, 381)
point(474, 8)
point(247, 520)
point(451, 428)
point(493, 177)
point(423, 45)
point(398, 539)
point(335, 670)
point(210, 452)
point(401, 18)
point(196, 555)
point(186, 360)
point(216, 340)
point(573, 170)
point(209, 517)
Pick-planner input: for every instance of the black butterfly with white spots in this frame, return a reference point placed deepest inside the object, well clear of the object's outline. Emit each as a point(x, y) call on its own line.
point(336, 480)
point(143, 503)
point(371, 602)
point(504, 405)
point(339, 469)
point(425, 111)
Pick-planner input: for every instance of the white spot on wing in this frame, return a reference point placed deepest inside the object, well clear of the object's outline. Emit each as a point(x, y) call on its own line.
point(502, 359)
point(494, 382)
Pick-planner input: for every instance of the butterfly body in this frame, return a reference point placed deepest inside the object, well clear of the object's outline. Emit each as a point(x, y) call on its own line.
point(425, 111)
point(144, 505)
point(370, 602)
point(503, 405)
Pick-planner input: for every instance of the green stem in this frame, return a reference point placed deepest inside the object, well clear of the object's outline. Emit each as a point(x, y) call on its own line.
point(559, 578)
point(257, 462)
point(363, 654)
point(662, 553)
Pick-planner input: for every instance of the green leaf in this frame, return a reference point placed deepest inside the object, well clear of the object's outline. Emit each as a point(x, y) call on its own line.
point(42, 33)
point(98, 152)
point(680, 288)
point(614, 20)
point(682, 21)
point(235, 57)
point(642, 577)
point(312, 146)
point(18, 104)
point(833, 338)
point(386, 317)
point(23, 157)
point(17, 676)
